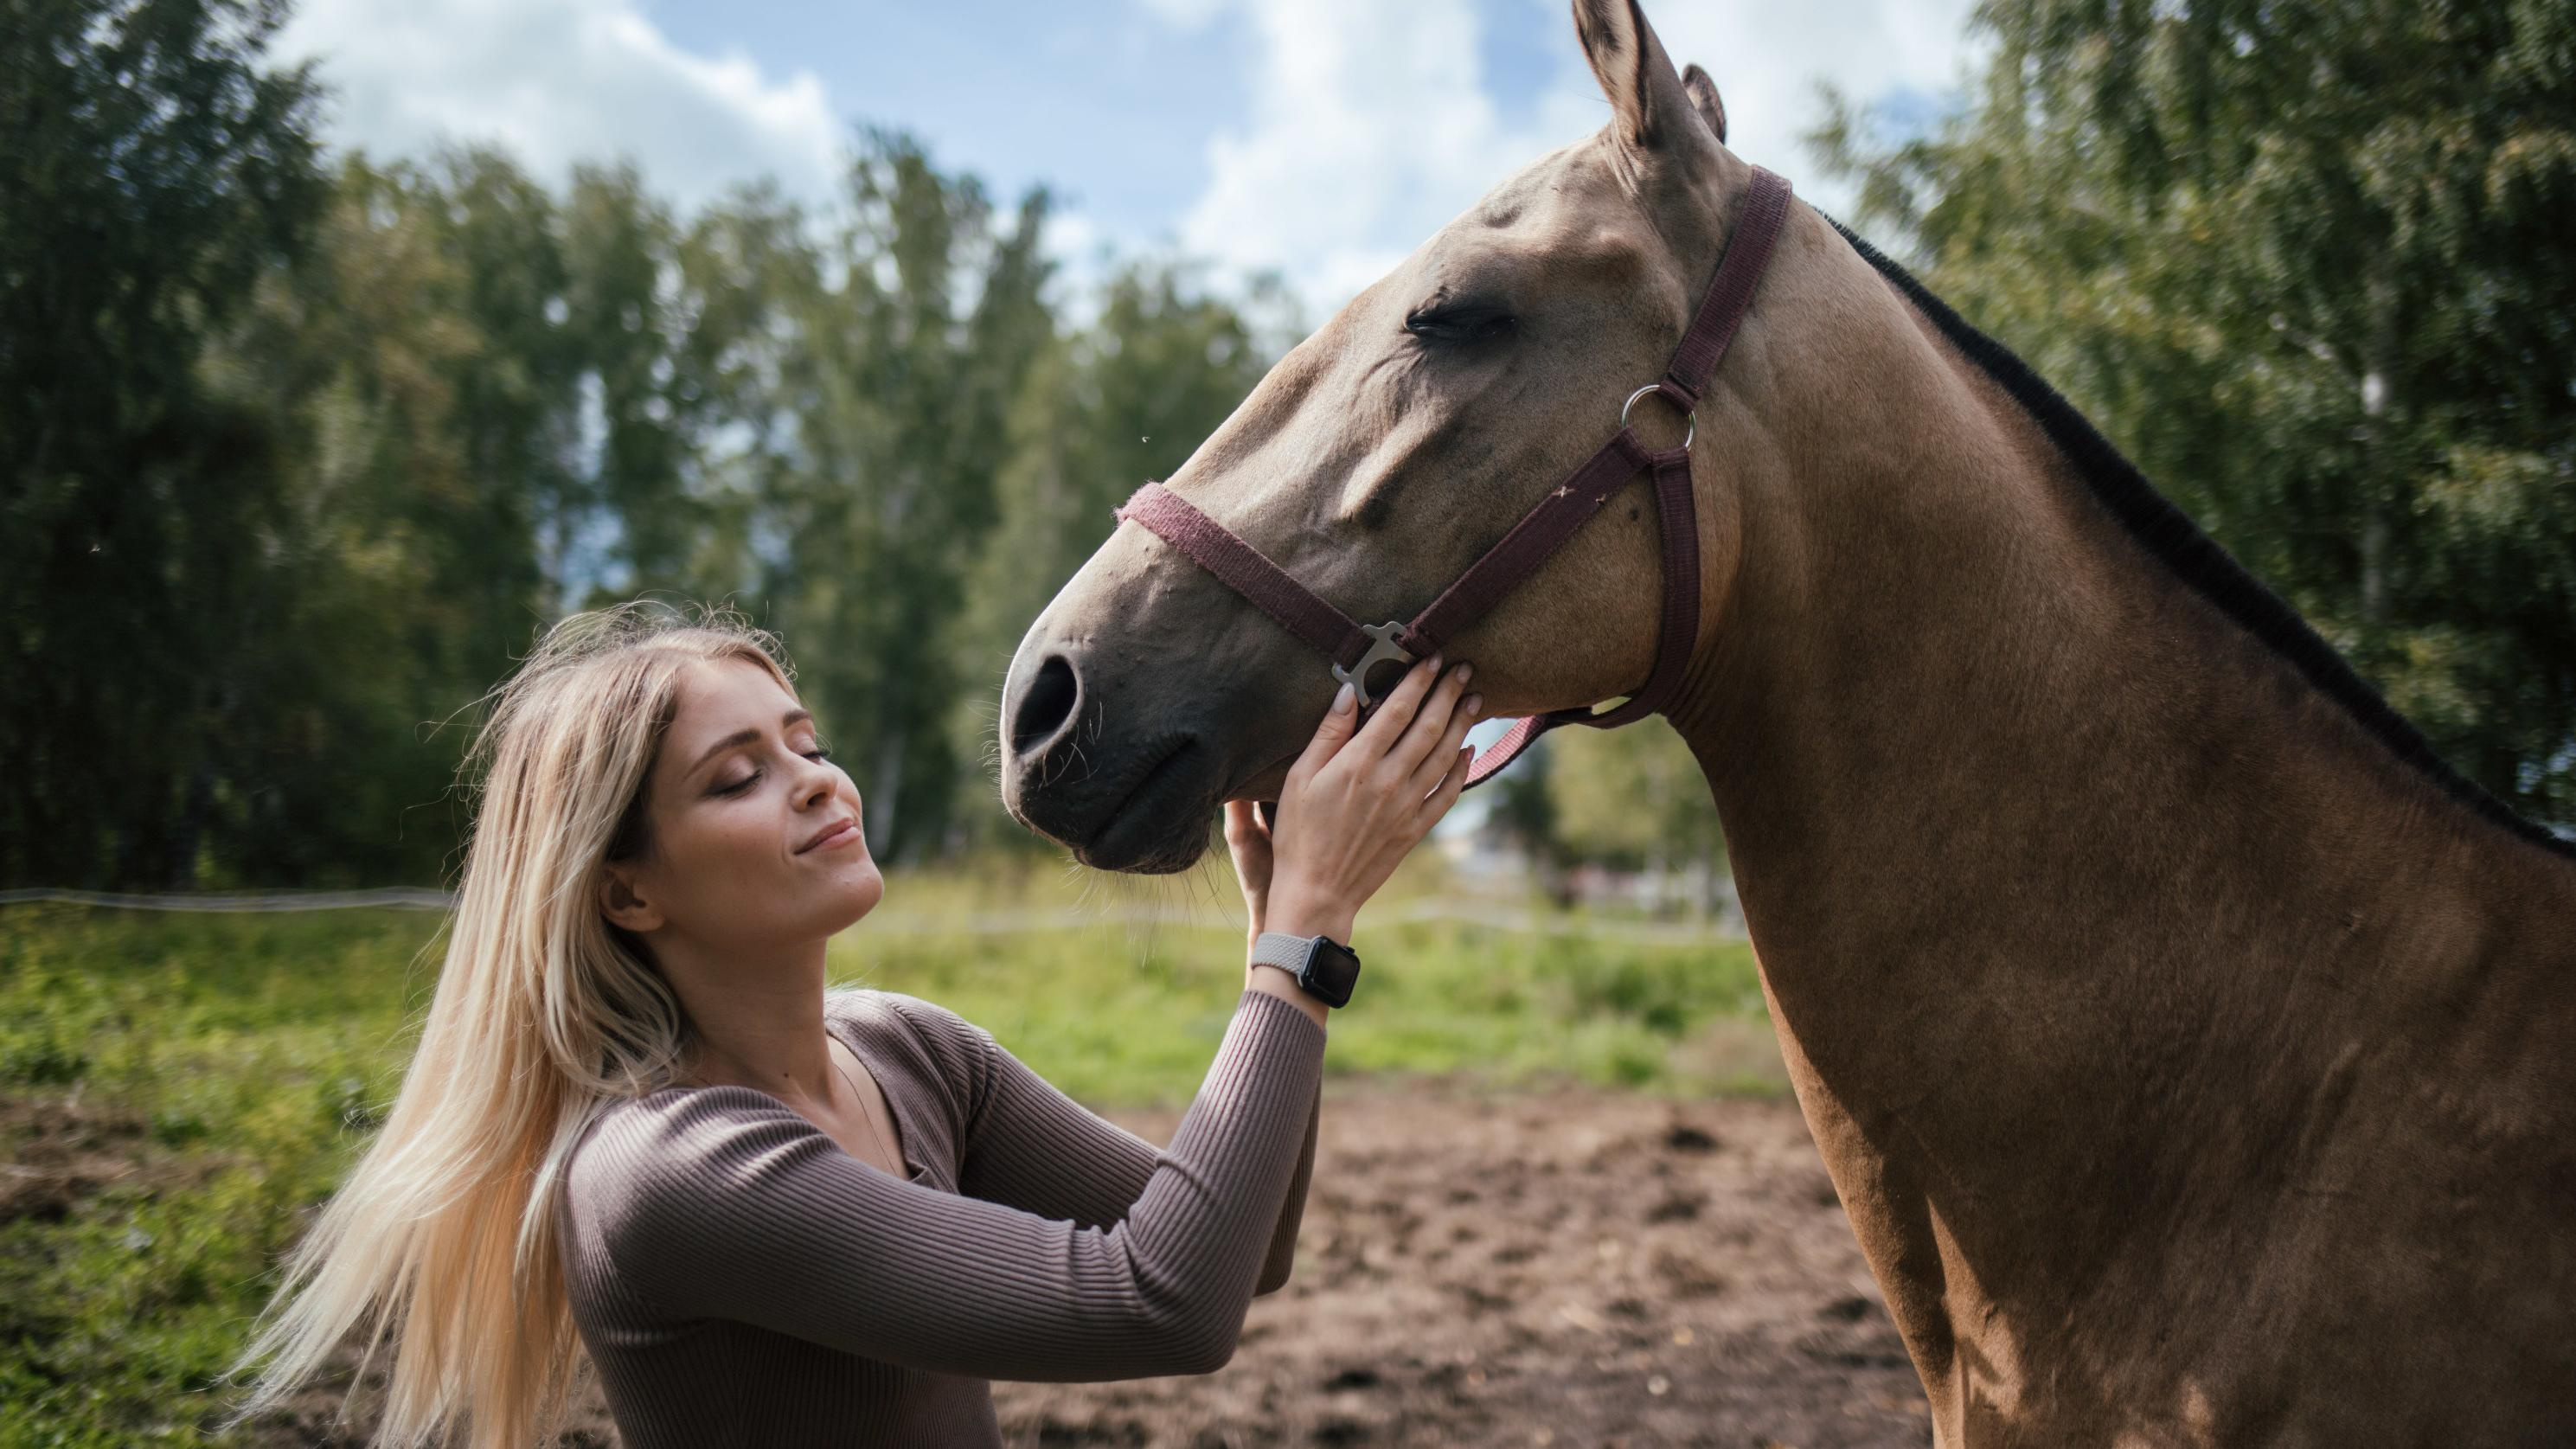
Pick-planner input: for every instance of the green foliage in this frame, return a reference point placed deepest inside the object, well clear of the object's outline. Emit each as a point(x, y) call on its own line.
point(1632, 797)
point(182, 1090)
point(2307, 263)
point(919, 325)
point(296, 464)
point(153, 174)
point(173, 1092)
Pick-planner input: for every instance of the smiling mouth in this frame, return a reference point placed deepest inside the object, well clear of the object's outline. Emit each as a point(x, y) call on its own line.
point(846, 833)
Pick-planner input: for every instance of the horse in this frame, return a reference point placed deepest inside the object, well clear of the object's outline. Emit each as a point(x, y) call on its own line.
point(2193, 1052)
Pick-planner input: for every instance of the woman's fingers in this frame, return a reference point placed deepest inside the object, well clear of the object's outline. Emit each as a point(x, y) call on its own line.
point(1341, 718)
point(1435, 761)
point(1393, 713)
point(1451, 785)
point(1421, 738)
point(1243, 823)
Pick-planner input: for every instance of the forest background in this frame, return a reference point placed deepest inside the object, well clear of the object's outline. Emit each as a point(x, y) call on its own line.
point(299, 450)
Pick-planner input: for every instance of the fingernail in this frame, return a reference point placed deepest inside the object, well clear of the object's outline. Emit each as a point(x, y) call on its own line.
point(1434, 662)
point(1466, 672)
point(1475, 705)
point(1342, 698)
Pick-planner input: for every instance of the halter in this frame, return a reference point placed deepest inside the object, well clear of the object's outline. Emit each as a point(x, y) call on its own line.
point(1356, 648)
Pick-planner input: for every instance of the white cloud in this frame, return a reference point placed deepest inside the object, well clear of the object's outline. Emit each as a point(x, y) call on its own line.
point(1372, 124)
point(1768, 59)
point(561, 81)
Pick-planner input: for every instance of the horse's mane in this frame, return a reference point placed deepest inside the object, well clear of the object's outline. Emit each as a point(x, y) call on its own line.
point(2169, 535)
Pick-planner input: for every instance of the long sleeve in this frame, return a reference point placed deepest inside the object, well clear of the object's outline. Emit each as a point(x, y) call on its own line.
point(1031, 1147)
point(1281, 1260)
point(722, 1203)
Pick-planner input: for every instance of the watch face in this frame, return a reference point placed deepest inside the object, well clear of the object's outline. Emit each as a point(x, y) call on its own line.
point(1331, 970)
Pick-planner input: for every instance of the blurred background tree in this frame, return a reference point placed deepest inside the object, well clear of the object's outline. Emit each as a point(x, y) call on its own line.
point(151, 174)
point(2309, 264)
point(1634, 799)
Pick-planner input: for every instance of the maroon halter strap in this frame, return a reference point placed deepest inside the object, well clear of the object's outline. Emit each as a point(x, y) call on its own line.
point(1355, 649)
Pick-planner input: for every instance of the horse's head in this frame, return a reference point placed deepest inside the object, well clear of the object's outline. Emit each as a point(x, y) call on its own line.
point(1378, 459)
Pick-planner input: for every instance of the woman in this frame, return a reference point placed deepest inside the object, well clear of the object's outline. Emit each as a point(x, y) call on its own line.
point(776, 1215)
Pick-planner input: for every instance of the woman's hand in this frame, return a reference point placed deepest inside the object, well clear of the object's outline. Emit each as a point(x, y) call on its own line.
point(1356, 802)
point(1247, 839)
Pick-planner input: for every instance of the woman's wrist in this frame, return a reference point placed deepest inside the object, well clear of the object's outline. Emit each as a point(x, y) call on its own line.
point(1296, 916)
point(1269, 980)
point(1292, 915)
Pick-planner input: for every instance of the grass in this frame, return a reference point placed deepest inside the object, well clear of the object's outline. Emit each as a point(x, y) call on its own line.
point(177, 1091)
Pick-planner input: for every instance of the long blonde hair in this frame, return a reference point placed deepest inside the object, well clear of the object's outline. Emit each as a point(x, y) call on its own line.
point(442, 1238)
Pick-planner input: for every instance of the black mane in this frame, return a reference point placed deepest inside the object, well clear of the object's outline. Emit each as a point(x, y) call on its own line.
point(2168, 533)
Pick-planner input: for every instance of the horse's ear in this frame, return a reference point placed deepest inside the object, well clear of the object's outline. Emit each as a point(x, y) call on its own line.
point(1645, 92)
point(1703, 98)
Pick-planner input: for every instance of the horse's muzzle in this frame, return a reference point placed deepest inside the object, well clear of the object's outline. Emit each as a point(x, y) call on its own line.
point(1120, 797)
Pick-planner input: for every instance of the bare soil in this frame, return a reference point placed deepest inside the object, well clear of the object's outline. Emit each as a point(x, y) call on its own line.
point(1568, 1269)
point(60, 1153)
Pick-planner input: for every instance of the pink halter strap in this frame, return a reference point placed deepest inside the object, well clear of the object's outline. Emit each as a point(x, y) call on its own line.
point(1355, 648)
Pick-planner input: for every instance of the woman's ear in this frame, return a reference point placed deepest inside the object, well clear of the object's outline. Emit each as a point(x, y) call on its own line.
point(624, 905)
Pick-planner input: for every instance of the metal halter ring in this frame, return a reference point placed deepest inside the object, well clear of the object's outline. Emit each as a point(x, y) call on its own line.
point(1690, 419)
point(1387, 647)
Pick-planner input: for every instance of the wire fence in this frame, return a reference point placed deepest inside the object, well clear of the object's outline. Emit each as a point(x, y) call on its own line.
point(405, 898)
point(999, 922)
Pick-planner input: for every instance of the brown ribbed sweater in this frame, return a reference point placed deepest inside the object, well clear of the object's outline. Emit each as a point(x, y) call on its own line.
point(740, 1280)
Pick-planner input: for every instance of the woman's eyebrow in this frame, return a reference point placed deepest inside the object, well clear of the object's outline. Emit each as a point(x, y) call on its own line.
point(738, 738)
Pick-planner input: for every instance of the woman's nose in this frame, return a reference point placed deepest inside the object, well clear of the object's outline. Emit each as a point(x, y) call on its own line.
point(814, 785)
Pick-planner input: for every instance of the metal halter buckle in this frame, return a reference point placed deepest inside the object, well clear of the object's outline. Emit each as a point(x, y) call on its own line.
point(1689, 418)
point(1388, 647)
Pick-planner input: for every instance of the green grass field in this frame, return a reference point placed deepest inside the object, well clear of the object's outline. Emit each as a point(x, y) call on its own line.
point(177, 1090)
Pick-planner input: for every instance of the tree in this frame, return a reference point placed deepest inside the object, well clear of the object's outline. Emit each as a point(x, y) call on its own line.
point(1635, 798)
point(2306, 262)
point(1101, 410)
point(297, 464)
point(912, 338)
point(155, 170)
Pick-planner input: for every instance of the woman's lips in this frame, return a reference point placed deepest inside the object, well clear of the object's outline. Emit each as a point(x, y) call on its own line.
point(844, 834)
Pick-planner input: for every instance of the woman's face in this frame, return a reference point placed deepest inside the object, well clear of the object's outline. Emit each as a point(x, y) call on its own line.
point(755, 836)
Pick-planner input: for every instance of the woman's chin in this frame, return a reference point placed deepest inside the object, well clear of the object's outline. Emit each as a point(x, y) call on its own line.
point(857, 893)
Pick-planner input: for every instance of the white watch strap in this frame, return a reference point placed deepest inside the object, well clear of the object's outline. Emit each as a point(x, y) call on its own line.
point(1277, 948)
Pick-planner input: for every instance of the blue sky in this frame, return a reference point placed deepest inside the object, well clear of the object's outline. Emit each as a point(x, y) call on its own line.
point(1320, 139)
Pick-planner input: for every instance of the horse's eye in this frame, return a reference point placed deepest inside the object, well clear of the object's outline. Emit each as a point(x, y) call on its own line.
point(1459, 322)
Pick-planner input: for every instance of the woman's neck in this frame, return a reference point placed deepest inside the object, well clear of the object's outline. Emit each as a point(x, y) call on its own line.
point(756, 1015)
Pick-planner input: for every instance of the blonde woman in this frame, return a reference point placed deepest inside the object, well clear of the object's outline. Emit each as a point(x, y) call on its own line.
point(776, 1215)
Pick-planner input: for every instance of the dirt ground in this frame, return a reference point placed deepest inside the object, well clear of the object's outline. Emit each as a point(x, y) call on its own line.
point(1572, 1269)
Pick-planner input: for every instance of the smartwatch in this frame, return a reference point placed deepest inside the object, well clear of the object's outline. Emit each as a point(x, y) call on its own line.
point(1325, 969)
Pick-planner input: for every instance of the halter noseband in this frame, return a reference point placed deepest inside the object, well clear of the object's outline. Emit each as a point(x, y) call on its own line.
point(1356, 648)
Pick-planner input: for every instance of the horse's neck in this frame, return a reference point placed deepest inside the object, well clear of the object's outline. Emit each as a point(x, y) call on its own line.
point(2026, 832)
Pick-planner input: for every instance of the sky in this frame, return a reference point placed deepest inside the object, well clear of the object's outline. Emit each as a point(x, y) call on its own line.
point(1317, 139)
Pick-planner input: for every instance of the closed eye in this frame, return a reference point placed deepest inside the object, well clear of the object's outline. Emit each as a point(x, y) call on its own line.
point(1459, 322)
point(818, 755)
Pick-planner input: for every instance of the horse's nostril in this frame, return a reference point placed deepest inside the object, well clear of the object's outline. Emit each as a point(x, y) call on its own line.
point(1046, 704)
